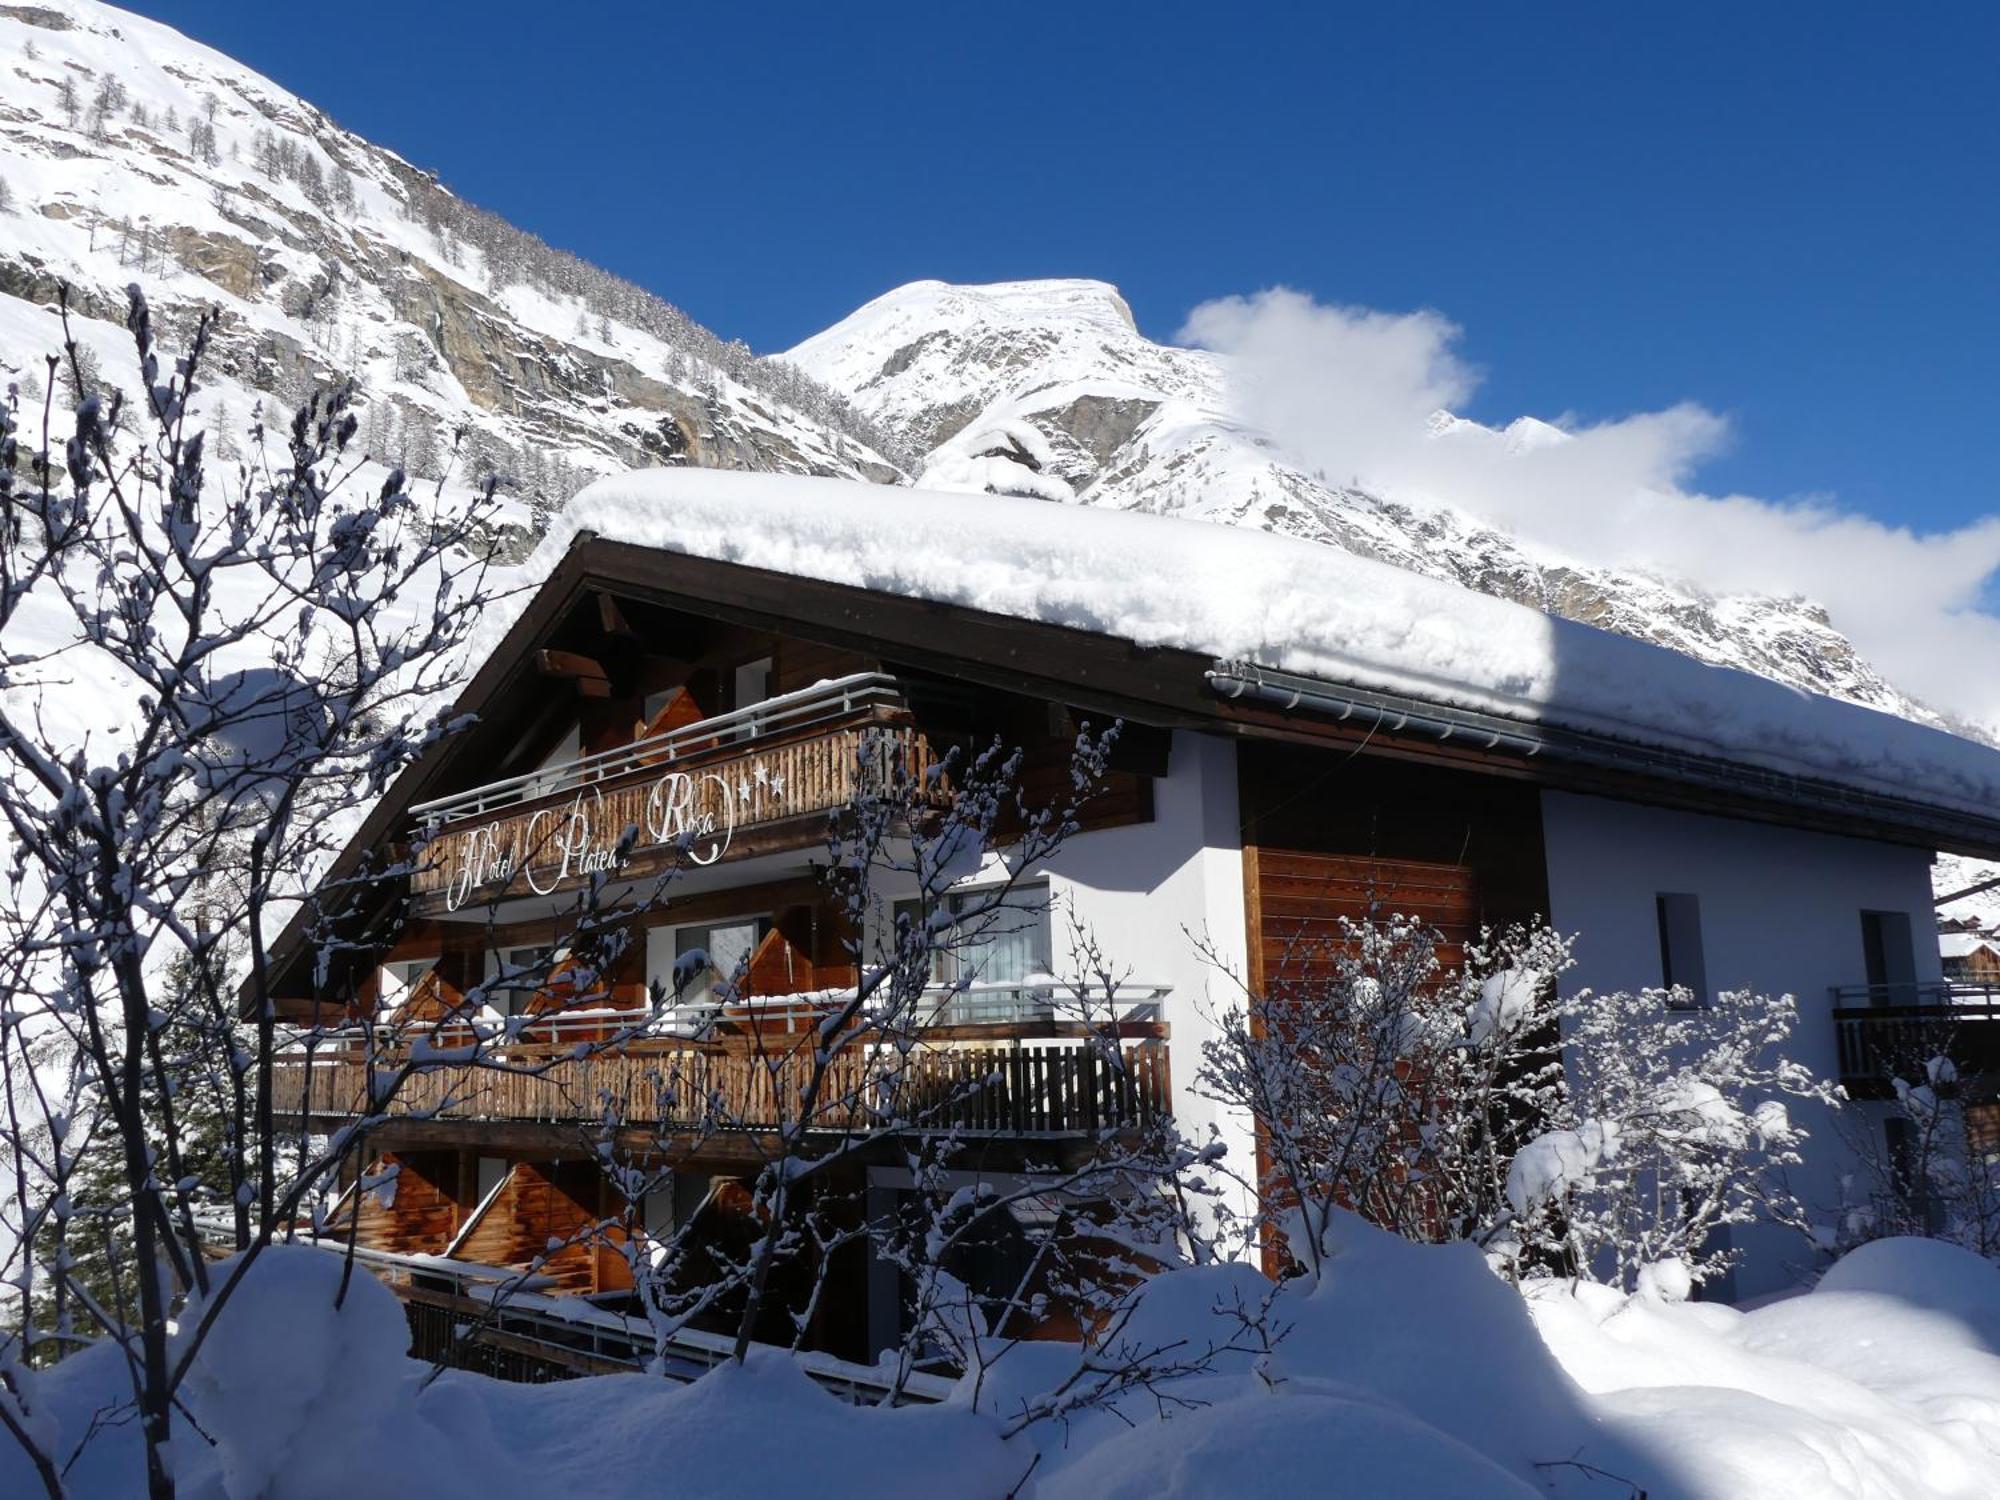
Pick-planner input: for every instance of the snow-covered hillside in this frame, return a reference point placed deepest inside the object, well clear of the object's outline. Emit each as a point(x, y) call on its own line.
point(1133, 424)
point(129, 153)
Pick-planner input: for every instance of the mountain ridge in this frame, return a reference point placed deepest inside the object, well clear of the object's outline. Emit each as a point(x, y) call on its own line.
point(133, 154)
point(1126, 422)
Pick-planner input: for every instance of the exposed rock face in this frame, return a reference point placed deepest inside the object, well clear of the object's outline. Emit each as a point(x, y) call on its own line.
point(1145, 426)
point(327, 257)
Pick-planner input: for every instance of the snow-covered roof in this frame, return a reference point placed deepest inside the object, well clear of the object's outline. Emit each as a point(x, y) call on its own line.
point(1963, 944)
point(1291, 605)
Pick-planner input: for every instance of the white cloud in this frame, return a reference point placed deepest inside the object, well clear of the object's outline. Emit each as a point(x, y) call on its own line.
point(1352, 392)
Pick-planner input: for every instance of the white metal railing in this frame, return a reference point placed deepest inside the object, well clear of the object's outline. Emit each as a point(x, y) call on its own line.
point(995, 1003)
point(981, 1003)
point(823, 702)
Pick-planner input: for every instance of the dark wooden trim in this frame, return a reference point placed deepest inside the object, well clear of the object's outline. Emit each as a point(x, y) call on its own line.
point(592, 681)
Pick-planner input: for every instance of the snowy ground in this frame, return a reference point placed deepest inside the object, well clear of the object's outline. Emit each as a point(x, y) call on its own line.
point(1409, 1372)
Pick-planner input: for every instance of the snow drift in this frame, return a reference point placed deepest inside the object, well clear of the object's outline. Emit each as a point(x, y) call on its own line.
point(1408, 1371)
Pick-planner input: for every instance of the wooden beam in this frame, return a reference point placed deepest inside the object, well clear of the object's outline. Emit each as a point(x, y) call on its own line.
point(592, 681)
point(611, 619)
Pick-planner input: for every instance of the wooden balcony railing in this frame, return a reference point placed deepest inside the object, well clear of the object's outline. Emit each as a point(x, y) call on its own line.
point(1016, 1089)
point(701, 806)
point(1891, 1031)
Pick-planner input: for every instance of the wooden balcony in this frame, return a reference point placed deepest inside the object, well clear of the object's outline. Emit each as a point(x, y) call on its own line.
point(729, 786)
point(1892, 1031)
point(1014, 1088)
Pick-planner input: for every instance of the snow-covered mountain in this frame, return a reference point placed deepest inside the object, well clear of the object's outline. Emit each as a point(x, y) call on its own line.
point(129, 153)
point(1058, 372)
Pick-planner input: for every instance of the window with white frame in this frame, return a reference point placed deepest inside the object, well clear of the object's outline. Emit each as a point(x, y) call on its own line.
point(997, 958)
point(401, 978)
point(516, 975)
point(692, 961)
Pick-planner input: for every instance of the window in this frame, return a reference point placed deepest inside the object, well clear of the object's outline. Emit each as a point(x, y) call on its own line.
point(1681, 963)
point(995, 956)
point(750, 685)
point(402, 977)
point(492, 1171)
point(1890, 957)
point(548, 774)
point(722, 948)
point(511, 996)
point(752, 682)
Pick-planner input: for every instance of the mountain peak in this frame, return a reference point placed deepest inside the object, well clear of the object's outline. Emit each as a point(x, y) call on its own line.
point(1062, 301)
point(1059, 371)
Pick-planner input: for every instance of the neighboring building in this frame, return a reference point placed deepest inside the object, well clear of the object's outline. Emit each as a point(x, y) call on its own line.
point(1970, 957)
point(1309, 736)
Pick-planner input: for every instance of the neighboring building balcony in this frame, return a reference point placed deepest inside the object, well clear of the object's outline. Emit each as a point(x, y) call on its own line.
point(1890, 1031)
point(1012, 1060)
point(736, 784)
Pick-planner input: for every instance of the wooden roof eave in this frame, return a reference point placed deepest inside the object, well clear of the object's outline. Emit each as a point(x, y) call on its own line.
point(1169, 688)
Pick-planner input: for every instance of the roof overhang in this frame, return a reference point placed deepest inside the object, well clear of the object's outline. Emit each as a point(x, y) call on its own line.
point(1162, 687)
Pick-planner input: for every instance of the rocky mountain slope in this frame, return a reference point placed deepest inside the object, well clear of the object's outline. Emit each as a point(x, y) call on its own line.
point(1057, 372)
point(130, 154)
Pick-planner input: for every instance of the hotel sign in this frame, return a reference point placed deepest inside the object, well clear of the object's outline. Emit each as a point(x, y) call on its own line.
point(696, 812)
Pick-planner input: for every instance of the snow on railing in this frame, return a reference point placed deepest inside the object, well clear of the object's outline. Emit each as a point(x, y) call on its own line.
point(822, 703)
point(1000, 1002)
point(980, 1003)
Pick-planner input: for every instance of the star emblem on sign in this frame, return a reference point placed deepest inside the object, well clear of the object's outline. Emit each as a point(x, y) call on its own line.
point(777, 786)
point(743, 790)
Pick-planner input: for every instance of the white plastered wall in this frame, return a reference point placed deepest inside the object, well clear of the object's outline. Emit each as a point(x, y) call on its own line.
point(1151, 893)
point(1780, 913)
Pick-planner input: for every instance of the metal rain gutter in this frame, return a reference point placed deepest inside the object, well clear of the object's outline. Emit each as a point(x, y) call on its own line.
point(1374, 710)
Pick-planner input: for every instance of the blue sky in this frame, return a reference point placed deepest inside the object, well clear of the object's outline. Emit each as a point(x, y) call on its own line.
point(1785, 213)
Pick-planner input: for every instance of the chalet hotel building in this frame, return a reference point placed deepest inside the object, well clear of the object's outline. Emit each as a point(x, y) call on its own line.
point(1306, 736)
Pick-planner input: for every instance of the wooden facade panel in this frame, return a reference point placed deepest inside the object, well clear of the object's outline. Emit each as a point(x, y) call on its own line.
point(1329, 837)
point(1057, 1089)
point(551, 845)
point(418, 1215)
point(544, 1202)
point(800, 663)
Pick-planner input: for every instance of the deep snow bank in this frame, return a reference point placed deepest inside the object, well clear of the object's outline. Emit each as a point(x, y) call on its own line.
point(1882, 1382)
point(1409, 1371)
